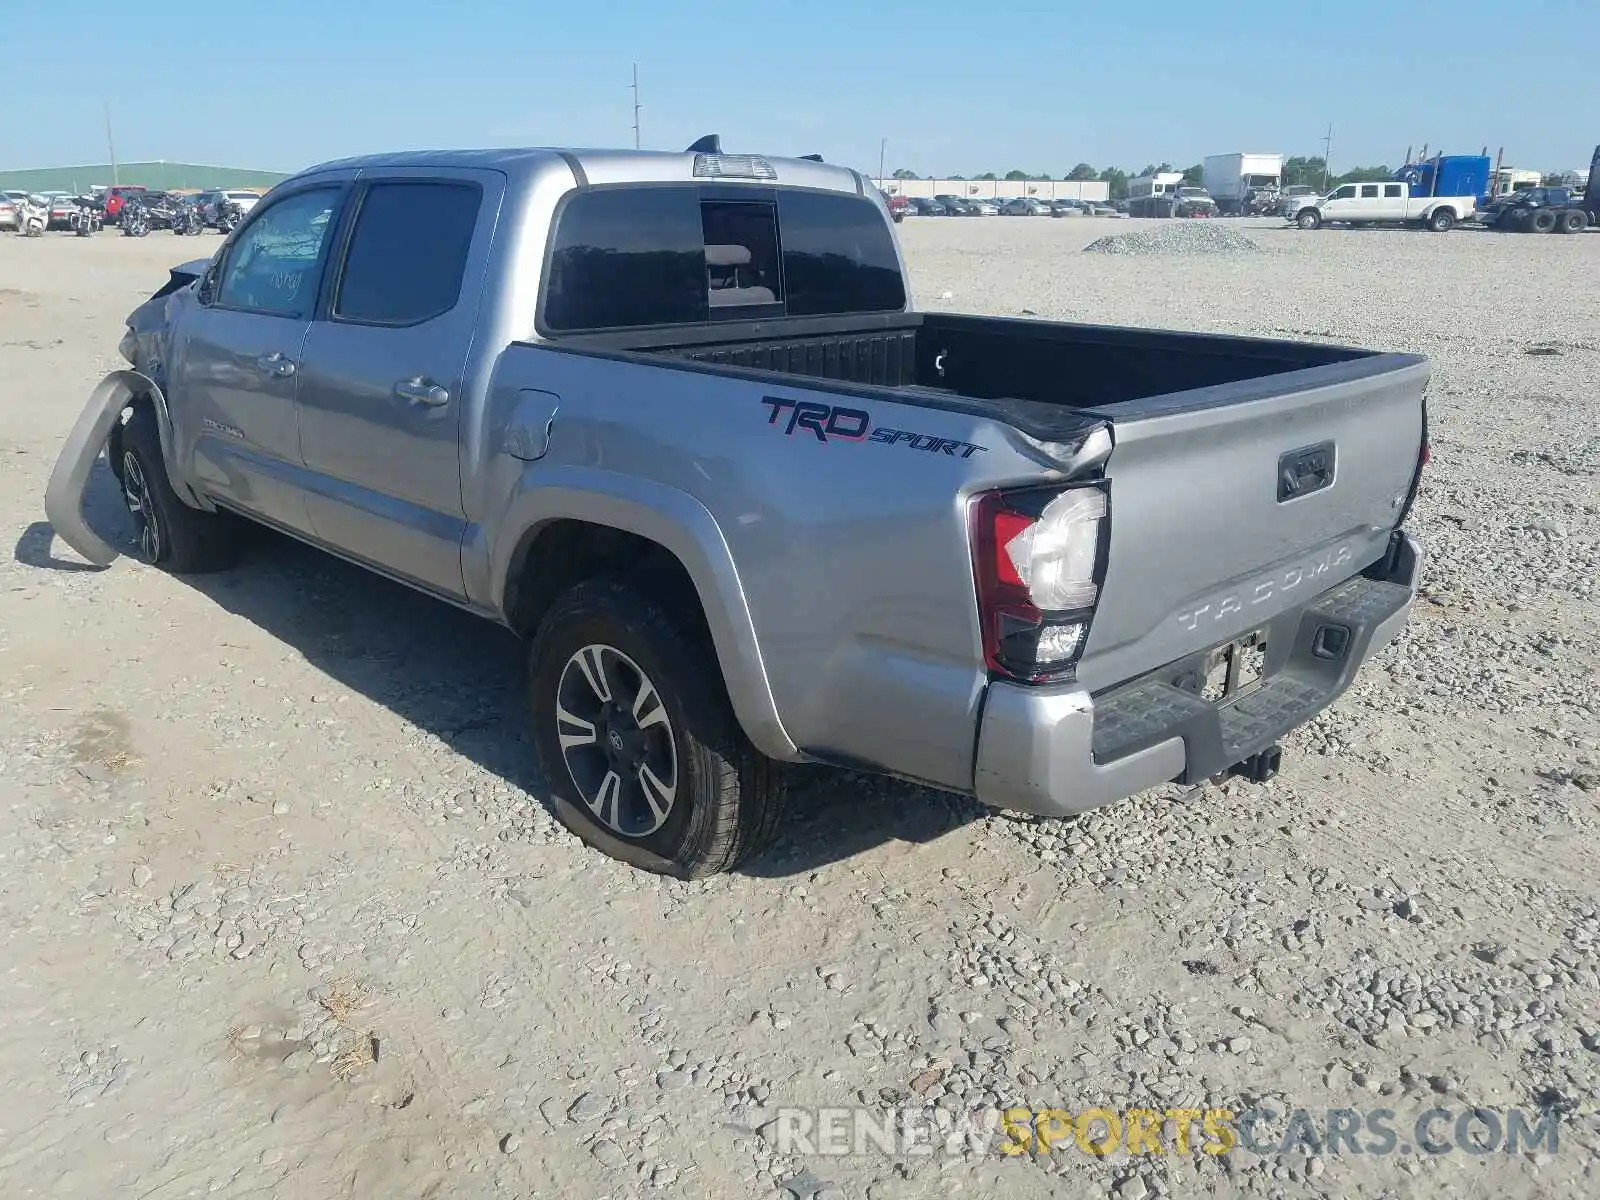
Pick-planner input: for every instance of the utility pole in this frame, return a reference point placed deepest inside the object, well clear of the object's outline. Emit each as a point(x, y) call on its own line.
point(111, 146)
point(1327, 153)
point(635, 106)
point(883, 153)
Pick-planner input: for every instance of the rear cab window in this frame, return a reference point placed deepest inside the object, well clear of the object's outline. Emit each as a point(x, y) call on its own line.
point(407, 253)
point(644, 255)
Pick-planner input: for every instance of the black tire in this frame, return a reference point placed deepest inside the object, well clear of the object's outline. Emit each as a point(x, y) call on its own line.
point(1441, 220)
point(1308, 218)
point(726, 797)
point(1543, 220)
point(172, 536)
point(1574, 220)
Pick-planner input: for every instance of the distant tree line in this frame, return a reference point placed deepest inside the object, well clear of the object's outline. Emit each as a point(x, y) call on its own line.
point(1297, 170)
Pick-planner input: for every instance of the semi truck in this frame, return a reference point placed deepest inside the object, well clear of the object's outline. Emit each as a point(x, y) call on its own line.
point(1243, 184)
point(1551, 209)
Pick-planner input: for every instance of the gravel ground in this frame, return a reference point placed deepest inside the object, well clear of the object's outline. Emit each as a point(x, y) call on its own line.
point(279, 915)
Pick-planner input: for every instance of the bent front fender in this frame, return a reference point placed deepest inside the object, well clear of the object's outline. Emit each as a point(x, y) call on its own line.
point(63, 497)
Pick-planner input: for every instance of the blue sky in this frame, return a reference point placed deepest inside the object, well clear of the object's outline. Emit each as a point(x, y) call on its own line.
point(954, 85)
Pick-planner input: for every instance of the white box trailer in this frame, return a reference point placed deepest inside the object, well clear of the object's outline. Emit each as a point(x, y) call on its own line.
point(1244, 183)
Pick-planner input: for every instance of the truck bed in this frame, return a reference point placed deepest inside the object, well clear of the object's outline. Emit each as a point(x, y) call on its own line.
point(1043, 377)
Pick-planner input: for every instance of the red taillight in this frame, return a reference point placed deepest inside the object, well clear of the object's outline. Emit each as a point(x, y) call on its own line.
point(1036, 563)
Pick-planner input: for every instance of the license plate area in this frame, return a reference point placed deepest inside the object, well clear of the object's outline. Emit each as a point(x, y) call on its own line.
point(1235, 669)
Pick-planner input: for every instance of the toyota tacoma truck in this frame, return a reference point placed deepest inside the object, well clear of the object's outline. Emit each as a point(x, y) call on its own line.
point(672, 418)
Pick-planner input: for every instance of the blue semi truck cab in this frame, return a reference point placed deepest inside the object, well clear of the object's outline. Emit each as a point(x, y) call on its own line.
point(1448, 175)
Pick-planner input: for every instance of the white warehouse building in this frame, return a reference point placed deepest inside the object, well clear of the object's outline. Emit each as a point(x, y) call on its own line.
point(992, 189)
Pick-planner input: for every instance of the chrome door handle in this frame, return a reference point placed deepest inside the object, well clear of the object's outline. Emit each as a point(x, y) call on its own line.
point(275, 365)
point(420, 391)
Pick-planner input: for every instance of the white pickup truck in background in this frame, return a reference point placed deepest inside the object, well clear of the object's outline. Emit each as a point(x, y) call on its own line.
point(1387, 202)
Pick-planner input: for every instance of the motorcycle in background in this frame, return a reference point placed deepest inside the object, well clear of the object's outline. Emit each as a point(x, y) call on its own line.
point(87, 218)
point(187, 221)
point(229, 214)
point(134, 218)
point(33, 216)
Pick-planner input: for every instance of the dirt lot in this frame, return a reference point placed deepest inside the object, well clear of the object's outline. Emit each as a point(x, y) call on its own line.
point(282, 914)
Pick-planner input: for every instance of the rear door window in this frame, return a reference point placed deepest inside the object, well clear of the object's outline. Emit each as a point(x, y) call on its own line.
point(408, 252)
point(660, 255)
point(1394, 191)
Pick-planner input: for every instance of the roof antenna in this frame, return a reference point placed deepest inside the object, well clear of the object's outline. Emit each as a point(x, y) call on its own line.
point(710, 144)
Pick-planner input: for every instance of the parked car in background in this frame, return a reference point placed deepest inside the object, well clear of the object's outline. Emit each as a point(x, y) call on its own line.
point(62, 209)
point(9, 219)
point(243, 197)
point(897, 206)
point(1383, 202)
point(1193, 202)
point(1101, 208)
point(1026, 206)
point(924, 207)
point(1067, 207)
point(206, 201)
point(117, 197)
point(1294, 198)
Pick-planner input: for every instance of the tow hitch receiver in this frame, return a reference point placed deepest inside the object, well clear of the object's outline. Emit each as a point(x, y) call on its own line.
point(1258, 768)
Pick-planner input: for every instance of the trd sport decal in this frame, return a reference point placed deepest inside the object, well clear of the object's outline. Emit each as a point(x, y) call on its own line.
point(832, 423)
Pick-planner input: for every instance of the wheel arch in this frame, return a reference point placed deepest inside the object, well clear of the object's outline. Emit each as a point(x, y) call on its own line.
point(97, 424)
point(576, 523)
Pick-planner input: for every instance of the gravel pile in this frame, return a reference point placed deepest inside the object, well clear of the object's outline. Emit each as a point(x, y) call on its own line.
point(1176, 237)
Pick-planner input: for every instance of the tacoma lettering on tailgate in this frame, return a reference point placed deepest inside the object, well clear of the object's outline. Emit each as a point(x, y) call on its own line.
point(1277, 583)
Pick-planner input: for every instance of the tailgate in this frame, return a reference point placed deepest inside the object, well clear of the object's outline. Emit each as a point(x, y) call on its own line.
point(1220, 514)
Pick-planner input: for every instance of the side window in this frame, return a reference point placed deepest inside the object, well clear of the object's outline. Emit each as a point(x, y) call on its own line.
point(627, 257)
point(408, 252)
point(1369, 191)
point(838, 255)
point(274, 266)
point(1347, 192)
point(1394, 191)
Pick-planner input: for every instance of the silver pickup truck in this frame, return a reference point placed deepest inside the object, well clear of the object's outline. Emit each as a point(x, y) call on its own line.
point(672, 418)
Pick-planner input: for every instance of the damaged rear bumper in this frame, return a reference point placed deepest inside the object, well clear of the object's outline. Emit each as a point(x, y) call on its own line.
point(1056, 751)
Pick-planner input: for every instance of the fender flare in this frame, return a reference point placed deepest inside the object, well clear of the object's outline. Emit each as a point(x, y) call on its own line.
point(63, 497)
point(678, 522)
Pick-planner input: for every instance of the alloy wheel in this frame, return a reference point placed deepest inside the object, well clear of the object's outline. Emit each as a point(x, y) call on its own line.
point(136, 494)
point(617, 741)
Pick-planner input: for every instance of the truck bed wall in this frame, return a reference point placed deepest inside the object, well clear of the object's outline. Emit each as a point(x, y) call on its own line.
point(1041, 364)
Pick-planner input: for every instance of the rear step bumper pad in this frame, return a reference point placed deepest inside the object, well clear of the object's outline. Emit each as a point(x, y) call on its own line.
point(1058, 751)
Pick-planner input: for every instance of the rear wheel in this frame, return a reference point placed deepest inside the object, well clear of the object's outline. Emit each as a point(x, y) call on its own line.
point(637, 739)
point(1441, 220)
point(1574, 220)
point(1544, 221)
